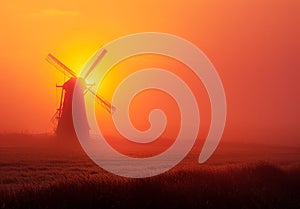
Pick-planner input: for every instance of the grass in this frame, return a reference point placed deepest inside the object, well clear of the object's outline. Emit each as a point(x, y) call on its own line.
point(43, 173)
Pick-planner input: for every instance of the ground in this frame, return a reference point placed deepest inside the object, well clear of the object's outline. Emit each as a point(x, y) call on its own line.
point(40, 171)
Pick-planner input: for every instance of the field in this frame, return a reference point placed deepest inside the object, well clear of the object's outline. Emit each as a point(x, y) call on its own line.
point(45, 172)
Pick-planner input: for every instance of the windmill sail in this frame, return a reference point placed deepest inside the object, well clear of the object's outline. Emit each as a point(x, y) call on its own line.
point(71, 74)
point(101, 55)
point(103, 102)
point(60, 66)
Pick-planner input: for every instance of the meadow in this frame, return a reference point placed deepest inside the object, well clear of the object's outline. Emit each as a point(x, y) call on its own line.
point(44, 172)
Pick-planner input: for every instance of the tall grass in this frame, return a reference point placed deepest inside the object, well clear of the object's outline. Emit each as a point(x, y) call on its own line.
point(259, 185)
point(45, 172)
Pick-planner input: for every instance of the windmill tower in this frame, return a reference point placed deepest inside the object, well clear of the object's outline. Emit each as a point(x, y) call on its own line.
point(63, 115)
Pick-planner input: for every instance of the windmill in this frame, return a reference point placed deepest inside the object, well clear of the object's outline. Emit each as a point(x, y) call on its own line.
point(63, 115)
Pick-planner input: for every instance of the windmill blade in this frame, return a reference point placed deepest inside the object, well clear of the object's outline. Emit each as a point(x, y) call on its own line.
point(101, 55)
point(60, 66)
point(110, 108)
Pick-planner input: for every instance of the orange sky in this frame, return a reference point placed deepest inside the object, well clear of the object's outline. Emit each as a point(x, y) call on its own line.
point(254, 45)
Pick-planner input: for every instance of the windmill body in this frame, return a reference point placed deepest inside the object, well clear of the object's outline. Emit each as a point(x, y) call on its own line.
point(65, 126)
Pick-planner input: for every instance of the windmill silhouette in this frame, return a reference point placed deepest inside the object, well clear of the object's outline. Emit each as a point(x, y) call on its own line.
point(63, 115)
